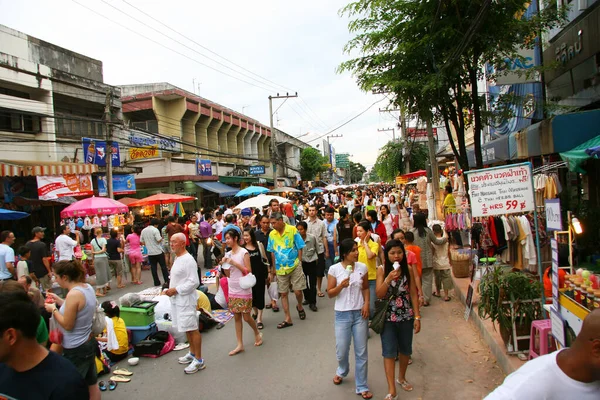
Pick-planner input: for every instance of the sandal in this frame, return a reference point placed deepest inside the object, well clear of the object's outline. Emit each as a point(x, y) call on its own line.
point(301, 313)
point(321, 294)
point(268, 306)
point(435, 295)
point(337, 380)
point(390, 397)
point(410, 361)
point(260, 325)
point(405, 385)
point(123, 372)
point(284, 325)
point(366, 395)
point(275, 308)
point(447, 298)
point(102, 386)
point(119, 378)
point(112, 385)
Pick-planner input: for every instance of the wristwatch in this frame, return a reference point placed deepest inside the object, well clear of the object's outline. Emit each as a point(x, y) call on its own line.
point(418, 318)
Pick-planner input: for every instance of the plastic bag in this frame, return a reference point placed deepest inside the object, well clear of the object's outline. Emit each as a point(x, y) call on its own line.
point(247, 281)
point(129, 299)
point(273, 291)
point(55, 335)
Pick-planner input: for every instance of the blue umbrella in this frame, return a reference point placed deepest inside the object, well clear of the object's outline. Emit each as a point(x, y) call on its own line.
point(316, 190)
point(11, 215)
point(593, 152)
point(251, 191)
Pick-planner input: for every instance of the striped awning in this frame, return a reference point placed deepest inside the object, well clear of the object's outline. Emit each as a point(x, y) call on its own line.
point(44, 168)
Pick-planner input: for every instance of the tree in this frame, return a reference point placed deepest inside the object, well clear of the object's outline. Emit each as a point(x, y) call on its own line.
point(355, 171)
point(390, 161)
point(311, 163)
point(373, 177)
point(429, 54)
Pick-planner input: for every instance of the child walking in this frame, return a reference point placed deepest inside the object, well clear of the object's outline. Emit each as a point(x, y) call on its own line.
point(441, 266)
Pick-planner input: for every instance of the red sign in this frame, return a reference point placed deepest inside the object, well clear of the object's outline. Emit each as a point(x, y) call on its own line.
point(419, 133)
point(52, 187)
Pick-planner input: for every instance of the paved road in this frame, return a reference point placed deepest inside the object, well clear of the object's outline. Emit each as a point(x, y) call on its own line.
point(450, 362)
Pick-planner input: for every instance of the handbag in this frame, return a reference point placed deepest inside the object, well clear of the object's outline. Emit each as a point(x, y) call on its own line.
point(381, 306)
point(263, 255)
point(248, 281)
point(98, 321)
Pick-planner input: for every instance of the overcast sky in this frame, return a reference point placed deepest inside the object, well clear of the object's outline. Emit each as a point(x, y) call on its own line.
point(296, 45)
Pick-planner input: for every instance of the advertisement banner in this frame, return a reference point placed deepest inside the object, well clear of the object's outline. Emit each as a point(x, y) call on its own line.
point(143, 139)
point(53, 187)
point(122, 184)
point(256, 169)
point(553, 215)
point(501, 190)
point(138, 153)
point(203, 167)
point(95, 152)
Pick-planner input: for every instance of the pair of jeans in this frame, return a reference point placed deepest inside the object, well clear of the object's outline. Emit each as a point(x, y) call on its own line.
point(310, 271)
point(329, 261)
point(351, 326)
point(154, 260)
point(372, 297)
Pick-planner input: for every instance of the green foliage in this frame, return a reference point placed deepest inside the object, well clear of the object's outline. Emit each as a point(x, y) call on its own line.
point(390, 161)
point(498, 286)
point(356, 171)
point(373, 177)
point(311, 163)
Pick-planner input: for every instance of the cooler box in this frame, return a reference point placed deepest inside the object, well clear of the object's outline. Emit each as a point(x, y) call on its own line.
point(140, 332)
point(140, 314)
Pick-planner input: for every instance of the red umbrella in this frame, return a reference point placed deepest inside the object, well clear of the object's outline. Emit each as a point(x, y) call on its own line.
point(161, 198)
point(127, 200)
point(94, 206)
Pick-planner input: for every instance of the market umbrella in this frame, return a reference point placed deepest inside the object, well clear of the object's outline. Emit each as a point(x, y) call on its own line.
point(127, 200)
point(316, 190)
point(259, 201)
point(285, 189)
point(331, 187)
point(593, 152)
point(161, 198)
point(6, 215)
point(179, 210)
point(94, 206)
point(252, 191)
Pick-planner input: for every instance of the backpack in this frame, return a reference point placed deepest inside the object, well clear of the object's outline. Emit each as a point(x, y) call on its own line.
point(154, 345)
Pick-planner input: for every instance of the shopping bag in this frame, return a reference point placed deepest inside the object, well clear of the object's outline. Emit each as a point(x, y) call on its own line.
point(273, 291)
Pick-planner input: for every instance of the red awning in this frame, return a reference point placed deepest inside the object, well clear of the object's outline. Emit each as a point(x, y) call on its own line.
point(414, 175)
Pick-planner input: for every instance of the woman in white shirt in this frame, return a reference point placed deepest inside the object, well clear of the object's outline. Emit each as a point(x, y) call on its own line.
point(348, 282)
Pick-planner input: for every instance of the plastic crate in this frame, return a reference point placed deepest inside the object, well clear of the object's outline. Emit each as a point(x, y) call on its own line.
point(140, 314)
point(140, 332)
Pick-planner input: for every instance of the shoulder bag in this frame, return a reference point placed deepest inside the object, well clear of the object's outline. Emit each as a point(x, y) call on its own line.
point(381, 307)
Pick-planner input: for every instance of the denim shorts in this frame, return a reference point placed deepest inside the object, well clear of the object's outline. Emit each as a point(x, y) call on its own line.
point(396, 338)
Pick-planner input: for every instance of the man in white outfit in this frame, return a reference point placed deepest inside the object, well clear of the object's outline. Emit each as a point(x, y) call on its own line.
point(65, 245)
point(184, 299)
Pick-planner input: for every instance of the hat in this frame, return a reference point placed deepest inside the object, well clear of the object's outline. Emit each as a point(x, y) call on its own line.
point(37, 229)
point(246, 212)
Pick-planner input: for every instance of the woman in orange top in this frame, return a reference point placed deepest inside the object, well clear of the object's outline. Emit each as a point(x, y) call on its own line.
point(548, 282)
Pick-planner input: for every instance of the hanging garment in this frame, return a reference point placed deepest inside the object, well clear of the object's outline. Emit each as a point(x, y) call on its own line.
point(500, 234)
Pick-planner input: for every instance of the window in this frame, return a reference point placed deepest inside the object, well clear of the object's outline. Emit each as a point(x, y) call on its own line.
point(73, 128)
point(150, 126)
point(15, 121)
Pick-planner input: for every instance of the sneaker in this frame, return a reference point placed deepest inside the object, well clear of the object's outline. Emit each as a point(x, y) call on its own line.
point(194, 367)
point(188, 358)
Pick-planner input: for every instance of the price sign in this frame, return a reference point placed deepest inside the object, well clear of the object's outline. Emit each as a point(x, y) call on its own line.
point(501, 190)
point(555, 281)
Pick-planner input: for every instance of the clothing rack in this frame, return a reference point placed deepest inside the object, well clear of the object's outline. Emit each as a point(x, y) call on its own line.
point(549, 167)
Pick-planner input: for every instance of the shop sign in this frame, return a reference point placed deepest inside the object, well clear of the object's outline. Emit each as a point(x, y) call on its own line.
point(419, 133)
point(122, 184)
point(140, 139)
point(95, 152)
point(256, 169)
point(553, 215)
point(53, 187)
point(401, 180)
point(501, 190)
point(558, 326)
point(138, 153)
point(203, 167)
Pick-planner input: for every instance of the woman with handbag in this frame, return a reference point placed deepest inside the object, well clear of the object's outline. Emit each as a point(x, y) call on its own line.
point(397, 313)
point(235, 265)
point(260, 271)
point(348, 282)
point(100, 263)
point(75, 316)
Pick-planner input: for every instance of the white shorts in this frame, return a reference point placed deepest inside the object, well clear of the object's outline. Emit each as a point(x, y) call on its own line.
point(184, 319)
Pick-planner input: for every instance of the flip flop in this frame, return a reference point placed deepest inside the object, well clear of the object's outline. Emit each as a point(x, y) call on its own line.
point(337, 380)
point(275, 308)
point(447, 299)
point(284, 325)
point(119, 378)
point(260, 325)
point(268, 306)
point(366, 395)
point(112, 385)
point(435, 295)
point(405, 385)
point(321, 295)
point(102, 386)
point(301, 313)
point(123, 372)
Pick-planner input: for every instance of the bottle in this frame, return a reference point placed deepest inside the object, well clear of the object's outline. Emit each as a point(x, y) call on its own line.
point(590, 298)
point(596, 299)
point(91, 154)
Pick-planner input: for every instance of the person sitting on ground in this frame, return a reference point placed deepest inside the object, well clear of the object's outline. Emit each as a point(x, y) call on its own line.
point(112, 311)
point(27, 369)
point(571, 373)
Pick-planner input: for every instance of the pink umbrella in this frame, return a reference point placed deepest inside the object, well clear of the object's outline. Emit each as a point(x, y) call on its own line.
point(94, 206)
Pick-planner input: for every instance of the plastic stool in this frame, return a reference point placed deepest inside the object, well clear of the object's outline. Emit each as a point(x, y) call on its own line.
point(541, 328)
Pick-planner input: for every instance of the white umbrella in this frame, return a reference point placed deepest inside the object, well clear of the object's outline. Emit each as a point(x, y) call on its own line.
point(331, 187)
point(285, 189)
point(260, 201)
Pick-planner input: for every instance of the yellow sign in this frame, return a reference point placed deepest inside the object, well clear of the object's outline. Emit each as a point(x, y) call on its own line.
point(401, 181)
point(327, 165)
point(138, 153)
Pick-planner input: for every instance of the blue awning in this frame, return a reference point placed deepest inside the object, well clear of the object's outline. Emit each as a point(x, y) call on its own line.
point(498, 150)
point(219, 188)
point(571, 130)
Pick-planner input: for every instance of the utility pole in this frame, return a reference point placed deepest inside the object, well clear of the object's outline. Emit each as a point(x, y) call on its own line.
point(404, 135)
point(435, 174)
point(330, 157)
point(109, 143)
point(274, 157)
point(388, 130)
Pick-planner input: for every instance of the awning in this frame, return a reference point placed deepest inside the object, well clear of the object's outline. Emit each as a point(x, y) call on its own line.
point(44, 168)
point(571, 130)
point(218, 188)
point(578, 155)
point(415, 174)
point(498, 150)
point(238, 179)
point(529, 140)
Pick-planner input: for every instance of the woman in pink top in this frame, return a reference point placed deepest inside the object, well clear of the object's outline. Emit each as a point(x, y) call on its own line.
point(135, 255)
point(240, 300)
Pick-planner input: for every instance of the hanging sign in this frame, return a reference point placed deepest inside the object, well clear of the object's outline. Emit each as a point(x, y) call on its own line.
point(553, 215)
point(203, 167)
point(256, 169)
point(53, 187)
point(95, 152)
point(138, 153)
point(122, 184)
point(501, 190)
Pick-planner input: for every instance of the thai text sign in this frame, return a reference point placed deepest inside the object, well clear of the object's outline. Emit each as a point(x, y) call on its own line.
point(53, 187)
point(138, 153)
point(502, 190)
point(122, 184)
